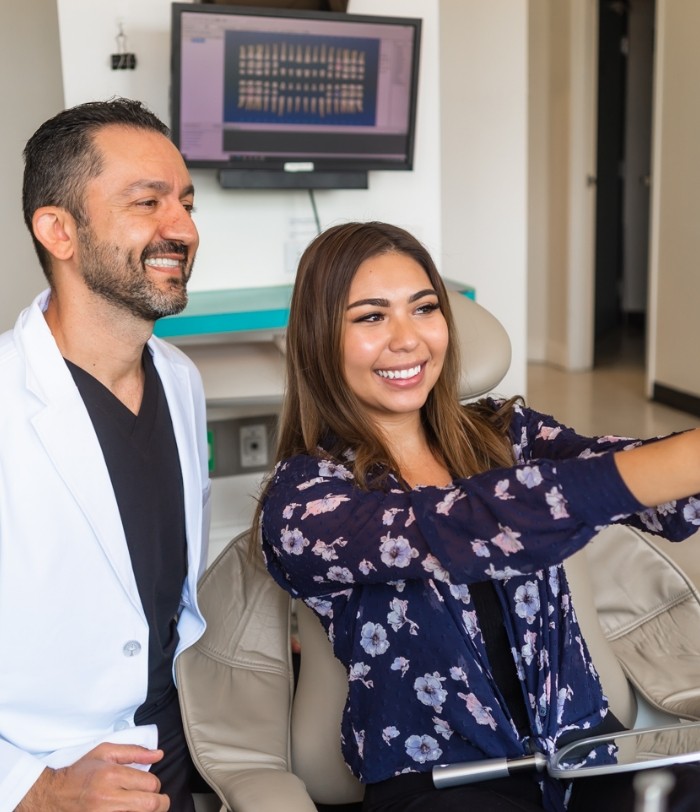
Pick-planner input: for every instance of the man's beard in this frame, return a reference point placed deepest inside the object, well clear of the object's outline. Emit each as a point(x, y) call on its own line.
point(123, 280)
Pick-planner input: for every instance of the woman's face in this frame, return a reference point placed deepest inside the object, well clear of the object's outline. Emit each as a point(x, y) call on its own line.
point(394, 337)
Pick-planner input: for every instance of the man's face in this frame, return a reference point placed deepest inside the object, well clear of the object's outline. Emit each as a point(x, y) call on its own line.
point(139, 243)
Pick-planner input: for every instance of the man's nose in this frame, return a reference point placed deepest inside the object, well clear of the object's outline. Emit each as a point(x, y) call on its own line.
point(178, 225)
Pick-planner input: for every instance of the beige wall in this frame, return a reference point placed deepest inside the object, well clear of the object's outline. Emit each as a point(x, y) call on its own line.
point(675, 237)
point(561, 155)
point(483, 154)
point(30, 91)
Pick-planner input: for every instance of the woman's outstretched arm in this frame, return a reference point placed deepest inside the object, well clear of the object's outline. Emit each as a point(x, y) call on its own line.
point(662, 471)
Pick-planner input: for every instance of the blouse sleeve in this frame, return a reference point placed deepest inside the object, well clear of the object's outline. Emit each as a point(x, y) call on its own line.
point(322, 534)
point(537, 436)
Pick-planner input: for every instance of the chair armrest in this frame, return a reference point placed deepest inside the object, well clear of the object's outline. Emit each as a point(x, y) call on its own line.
point(265, 790)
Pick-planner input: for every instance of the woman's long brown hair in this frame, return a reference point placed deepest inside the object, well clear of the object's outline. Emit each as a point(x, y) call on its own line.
point(319, 407)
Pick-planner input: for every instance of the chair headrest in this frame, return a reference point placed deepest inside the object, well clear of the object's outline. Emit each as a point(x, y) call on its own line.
point(484, 346)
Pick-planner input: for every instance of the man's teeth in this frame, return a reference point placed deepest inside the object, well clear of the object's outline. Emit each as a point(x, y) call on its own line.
point(399, 373)
point(163, 262)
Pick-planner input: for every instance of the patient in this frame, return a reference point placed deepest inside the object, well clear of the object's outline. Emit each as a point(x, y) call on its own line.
point(428, 536)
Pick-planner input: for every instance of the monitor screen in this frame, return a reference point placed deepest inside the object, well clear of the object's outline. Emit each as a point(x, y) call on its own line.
point(278, 89)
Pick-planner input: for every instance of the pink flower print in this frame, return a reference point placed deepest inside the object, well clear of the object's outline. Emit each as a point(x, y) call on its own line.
point(470, 623)
point(327, 551)
point(529, 649)
point(340, 574)
point(480, 548)
point(429, 690)
point(445, 506)
point(411, 517)
point(422, 748)
point(548, 432)
point(650, 520)
point(527, 601)
point(400, 664)
point(373, 639)
point(431, 564)
point(358, 671)
point(303, 486)
point(480, 712)
point(396, 552)
point(288, 512)
point(557, 504)
point(529, 476)
point(388, 517)
point(691, 512)
point(329, 503)
point(293, 541)
point(612, 438)
point(389, 733)
point(442, 728)
point(366, 567)
point(507, 540)
point(397, 617)
point(459, 674)
point(501, 490)
point(332, 469)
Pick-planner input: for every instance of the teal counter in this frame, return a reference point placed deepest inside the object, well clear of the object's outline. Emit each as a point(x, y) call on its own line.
point(240, 310)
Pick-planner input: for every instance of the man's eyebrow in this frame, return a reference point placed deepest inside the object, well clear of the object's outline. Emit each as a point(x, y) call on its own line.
point(159, 186)
point(385, 302)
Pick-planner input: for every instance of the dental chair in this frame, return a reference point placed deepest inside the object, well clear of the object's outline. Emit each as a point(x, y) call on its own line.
point(266, 742)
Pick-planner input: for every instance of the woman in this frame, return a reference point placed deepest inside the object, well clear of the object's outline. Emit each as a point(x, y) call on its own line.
point(427, 536)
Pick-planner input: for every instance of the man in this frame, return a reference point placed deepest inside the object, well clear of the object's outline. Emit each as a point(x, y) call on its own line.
point(104, 484)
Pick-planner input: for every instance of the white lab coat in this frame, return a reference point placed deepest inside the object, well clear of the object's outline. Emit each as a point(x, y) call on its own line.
point(73, 635)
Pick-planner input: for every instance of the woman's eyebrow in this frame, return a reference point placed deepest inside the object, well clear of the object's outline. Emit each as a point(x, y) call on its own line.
point(370, 302)
point(385, 302)
point(421, 294)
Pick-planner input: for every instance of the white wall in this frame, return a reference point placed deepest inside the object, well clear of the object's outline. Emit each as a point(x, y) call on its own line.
point(245, 234)
point(30, 91)
point(483, 96)
point(674, 334)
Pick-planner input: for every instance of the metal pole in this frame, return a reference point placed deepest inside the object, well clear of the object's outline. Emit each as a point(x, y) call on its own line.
point(651, 789)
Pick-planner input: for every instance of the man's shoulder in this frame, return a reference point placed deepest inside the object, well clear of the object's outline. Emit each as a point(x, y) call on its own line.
point(8, 347)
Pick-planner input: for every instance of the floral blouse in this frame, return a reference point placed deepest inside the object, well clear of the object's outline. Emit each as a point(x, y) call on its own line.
point(388, 572)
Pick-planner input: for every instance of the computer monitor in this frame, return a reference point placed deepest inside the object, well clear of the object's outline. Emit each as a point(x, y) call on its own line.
point(279, 98)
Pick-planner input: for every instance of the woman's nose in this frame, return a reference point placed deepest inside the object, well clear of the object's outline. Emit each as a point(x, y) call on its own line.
point(403, 335)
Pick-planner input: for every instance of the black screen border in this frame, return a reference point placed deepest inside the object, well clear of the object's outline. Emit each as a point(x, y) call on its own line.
point(360, 163)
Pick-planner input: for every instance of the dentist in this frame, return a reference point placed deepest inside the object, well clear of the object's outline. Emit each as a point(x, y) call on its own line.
point(104, 484)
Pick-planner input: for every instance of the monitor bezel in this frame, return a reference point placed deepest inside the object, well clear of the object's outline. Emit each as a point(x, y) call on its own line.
point(360, 162)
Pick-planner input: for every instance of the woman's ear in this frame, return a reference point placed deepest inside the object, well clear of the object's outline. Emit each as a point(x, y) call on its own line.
point(55, 229)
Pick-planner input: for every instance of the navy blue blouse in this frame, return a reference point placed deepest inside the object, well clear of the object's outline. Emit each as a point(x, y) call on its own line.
point(388, 572)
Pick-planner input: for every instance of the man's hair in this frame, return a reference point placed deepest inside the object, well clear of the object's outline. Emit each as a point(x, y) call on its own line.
point(61, 157)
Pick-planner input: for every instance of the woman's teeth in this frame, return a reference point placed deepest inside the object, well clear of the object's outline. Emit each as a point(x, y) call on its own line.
point(403, 374)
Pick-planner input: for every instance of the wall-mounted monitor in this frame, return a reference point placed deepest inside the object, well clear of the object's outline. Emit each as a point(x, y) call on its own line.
point(278, 98)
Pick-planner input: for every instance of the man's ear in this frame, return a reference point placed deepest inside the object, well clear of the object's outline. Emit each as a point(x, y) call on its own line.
point(56, 230)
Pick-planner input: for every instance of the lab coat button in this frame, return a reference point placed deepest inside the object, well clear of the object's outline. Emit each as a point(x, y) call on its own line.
point(122, 724)
point(131, 648)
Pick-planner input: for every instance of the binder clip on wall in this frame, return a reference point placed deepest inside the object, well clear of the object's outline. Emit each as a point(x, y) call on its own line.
point(122, 60)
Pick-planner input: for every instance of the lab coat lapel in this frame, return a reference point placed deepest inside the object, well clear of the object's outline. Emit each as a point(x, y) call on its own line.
point(65, 430)
point(175, 377)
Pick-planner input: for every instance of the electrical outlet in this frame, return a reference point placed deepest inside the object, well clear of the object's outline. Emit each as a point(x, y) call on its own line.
point(242, 445)
point(253, 445)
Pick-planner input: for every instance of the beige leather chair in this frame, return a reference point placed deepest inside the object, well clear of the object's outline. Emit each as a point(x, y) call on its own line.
point(264, 747)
